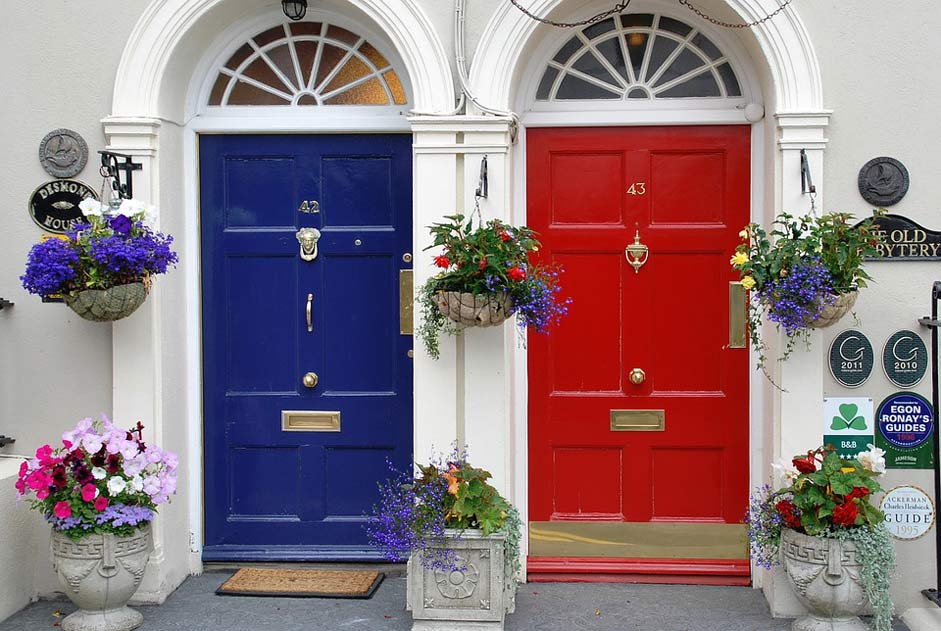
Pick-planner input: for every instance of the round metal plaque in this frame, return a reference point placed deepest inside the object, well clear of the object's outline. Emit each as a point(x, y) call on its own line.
point(851, 358)
point(883, 181)
point(54, 205)
point(905, 358)
point(909, 512)
point(63, 153)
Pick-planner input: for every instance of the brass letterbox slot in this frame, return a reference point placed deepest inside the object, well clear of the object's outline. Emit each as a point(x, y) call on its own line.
point(406, 302)
point(308, 421)
point(637, 421)
point(738, 309)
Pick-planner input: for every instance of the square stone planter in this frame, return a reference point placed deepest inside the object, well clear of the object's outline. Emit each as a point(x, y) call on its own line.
point(477, 598)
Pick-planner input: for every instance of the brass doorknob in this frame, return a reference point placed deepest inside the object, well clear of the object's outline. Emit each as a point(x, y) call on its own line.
point(310, 380)
point(638, 376)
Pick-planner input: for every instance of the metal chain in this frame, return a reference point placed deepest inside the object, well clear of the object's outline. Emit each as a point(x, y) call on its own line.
point(709, 18)
point(618, 8)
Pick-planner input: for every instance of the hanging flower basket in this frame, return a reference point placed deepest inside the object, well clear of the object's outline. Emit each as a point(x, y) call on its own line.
point(468, 309)
point(107, 305)
point(838, 307)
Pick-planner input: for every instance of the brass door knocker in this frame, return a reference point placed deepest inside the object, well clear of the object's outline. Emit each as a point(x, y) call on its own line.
point(636, 253)
point(308, 238)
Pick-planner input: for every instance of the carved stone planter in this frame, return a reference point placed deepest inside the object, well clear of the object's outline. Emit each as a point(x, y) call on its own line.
point(477, 598)
point(825, 576)
point(474, 310)
point(100, 573)
point(107, 305)
point(832, 312)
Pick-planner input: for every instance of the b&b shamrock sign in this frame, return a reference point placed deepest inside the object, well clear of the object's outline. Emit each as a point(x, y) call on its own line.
point(847, 424)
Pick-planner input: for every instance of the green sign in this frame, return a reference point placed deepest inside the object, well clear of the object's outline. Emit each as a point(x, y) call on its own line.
point(848, 424)
point(905, 422)
point(851, 358)
point(905, 359)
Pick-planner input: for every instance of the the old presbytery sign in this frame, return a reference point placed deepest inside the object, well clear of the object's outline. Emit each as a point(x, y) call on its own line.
point(905, 240)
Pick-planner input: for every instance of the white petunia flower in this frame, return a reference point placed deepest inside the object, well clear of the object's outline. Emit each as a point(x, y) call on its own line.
point(99, 473)
point(131, 207)
point(116, 485)
point(137, 484)
point(91, 207)
point(872, 460)
point(786, 469)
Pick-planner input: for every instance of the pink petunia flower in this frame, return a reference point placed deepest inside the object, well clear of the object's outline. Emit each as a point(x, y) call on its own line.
point(101, 503)
point(89, 492)
point(62, 510)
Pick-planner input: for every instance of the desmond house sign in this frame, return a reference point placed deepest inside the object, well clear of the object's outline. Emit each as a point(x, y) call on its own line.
point(905, 240)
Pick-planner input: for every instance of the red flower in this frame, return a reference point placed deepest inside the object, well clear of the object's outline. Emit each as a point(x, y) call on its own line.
point(846, 513)
point(516, 273)
point(58, 476)
point(786, 509)
point(89, 491)
point(504, 236)
point(442, 261)
point(114, 463)
point(858, 491)
point(805, 465)
point(101, 503)
point(483, 263)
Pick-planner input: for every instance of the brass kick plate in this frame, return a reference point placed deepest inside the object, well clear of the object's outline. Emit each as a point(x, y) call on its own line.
point(406, 303)
point(307, 421)
point(738, 308)
point(637, 420)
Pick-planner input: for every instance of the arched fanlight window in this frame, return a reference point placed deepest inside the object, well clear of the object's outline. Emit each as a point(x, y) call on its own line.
point(307, 63)
point(638, 56)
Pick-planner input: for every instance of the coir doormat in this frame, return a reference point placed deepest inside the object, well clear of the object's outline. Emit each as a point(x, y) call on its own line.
point(302, 583)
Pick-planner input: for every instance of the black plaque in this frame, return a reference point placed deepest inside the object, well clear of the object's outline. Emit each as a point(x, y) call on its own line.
point(851, 358)
point(63, 153)
point(905, 240)
point(905, 358)
point(54, 205)
point(883, 181)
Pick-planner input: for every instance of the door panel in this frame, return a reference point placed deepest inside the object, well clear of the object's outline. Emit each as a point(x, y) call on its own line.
point(288, 492)
point(685, 192)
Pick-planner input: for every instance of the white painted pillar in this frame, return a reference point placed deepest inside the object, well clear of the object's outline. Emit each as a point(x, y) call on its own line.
point(798, 424)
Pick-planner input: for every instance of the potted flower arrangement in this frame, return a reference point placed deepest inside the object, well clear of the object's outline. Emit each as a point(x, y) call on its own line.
point(487, 277)
point(831, 540)
point(99, 491)
point(102, 269)
point(808, 277)
point(461, 539)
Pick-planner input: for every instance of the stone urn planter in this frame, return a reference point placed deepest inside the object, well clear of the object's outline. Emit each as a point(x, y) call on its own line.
point(107, 305)
point(100, 573)
point(833, 312)
point(475, 599)
point(474, 310)
point(825, 575)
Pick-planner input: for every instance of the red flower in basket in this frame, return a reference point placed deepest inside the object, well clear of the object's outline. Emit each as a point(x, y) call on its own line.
point(442, 261)
point(516, 273)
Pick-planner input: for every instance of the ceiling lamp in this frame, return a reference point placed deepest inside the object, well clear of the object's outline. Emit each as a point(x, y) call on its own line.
point(294, 9)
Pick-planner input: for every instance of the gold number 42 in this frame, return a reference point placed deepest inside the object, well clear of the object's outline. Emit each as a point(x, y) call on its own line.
point(637, 188)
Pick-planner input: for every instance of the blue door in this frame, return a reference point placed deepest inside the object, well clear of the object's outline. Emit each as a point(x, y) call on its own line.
point(307, 375)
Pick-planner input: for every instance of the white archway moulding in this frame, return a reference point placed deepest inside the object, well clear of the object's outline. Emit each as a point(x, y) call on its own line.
point(165, 23)
point(784, 40)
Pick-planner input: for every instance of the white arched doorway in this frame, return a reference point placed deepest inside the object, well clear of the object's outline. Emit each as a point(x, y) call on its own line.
point(521, 65)
point(163, 101)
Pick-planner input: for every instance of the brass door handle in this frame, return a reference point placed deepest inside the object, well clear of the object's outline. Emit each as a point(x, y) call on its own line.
point(310, 380)
point(637, 376)
point(310, 323)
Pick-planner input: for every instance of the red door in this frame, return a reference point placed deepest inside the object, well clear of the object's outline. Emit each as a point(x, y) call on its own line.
point(642, 479)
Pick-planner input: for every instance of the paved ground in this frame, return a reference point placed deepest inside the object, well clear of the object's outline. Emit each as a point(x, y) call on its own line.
point(541, 607)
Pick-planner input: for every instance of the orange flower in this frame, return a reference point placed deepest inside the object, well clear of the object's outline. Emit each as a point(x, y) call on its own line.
point(453, 482)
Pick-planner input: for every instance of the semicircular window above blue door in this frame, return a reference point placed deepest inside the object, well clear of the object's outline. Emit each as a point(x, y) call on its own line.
point(638, 56)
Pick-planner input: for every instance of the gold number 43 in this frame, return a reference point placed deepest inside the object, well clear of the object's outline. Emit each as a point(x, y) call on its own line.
point(637, 188)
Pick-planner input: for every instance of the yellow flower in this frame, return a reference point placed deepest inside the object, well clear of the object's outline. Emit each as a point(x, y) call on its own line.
point(743, 234)
point(739, 258)
point(848, 469)
point(748, 282)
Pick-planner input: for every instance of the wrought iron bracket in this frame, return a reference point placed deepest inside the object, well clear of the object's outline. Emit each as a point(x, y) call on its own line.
point(113, 164)
point(6, 440)
point(4, 303)
point(933, 324)
point(807, 183)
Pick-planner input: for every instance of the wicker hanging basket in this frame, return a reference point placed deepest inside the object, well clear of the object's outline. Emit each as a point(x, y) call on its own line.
point(474, 310)
point(107, 305)
point(838, 307)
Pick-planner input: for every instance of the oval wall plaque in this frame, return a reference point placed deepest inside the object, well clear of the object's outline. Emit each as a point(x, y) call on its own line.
point(909, 512)
point(905, 358)
point(54, 205)
point(883, 181)
point(851, 358)
point(63, 153)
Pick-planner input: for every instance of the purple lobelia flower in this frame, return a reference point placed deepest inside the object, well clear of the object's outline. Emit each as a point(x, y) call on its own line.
point(50, 268)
